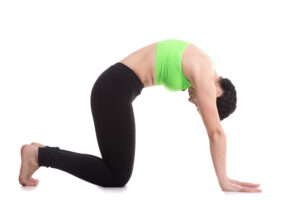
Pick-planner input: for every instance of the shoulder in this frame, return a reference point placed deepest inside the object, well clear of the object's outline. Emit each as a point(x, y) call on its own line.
point(195, 63)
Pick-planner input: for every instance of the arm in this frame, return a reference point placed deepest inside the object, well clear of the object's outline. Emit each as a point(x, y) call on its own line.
point(204, 97)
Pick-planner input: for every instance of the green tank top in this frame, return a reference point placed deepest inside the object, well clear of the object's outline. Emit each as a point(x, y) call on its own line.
point(168, 69)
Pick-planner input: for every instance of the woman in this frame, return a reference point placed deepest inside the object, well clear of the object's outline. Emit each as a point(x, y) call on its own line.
point(175, 64)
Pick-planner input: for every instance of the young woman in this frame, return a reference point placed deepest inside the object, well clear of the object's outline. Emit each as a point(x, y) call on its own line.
point(175, 64)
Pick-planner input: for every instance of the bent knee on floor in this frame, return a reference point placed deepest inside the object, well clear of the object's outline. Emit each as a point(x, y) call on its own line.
point(118, 180)
point(119, 183)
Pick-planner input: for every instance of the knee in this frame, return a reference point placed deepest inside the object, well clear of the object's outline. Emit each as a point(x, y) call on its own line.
point(118, 180)
point(122, 175)
point(115, 183)
point(119, 184)
point(121, 181)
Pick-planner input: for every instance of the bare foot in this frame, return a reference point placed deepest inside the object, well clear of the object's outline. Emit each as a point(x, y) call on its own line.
point(29, 155)
point(37, 144)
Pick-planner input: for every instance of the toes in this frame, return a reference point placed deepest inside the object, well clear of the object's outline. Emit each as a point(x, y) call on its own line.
point(34, 180)
point(28, 182)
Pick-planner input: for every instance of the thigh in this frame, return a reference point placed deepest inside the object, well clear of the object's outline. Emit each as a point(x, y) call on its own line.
point(115, 129)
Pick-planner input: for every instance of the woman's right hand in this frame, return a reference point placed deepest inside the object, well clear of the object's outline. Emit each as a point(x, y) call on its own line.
point(231, 185)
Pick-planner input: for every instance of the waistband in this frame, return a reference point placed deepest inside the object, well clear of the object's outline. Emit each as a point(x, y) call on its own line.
point(138, 84)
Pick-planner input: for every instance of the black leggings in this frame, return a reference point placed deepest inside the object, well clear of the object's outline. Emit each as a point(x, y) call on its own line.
point(111, 103)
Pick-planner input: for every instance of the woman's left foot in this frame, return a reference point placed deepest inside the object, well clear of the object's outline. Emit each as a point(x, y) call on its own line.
point(29, 155)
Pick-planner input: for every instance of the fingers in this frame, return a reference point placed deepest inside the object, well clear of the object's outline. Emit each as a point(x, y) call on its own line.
point(239, 188)
point(245, 186)
point(244, 183)
point(232, 187)
point(249, 189)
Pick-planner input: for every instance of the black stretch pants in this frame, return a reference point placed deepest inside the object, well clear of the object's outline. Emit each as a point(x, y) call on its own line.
point(111, 103)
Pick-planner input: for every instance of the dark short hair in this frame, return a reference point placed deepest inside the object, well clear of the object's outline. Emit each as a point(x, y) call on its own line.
point(226, 103)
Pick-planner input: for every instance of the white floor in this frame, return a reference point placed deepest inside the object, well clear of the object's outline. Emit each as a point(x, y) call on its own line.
point(174, 163)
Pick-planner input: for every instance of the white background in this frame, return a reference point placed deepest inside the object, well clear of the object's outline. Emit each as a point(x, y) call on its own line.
point(51, 53)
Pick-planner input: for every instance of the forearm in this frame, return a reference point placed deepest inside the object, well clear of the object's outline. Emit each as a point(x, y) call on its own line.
point(218, 153)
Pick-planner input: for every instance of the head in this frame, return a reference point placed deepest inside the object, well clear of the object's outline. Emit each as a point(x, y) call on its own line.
point(226, 97)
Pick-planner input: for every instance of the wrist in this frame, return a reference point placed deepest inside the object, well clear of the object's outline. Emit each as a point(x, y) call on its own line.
point(223, 180)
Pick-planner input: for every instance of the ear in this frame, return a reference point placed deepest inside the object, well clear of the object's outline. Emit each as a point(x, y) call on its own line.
point(219, 90)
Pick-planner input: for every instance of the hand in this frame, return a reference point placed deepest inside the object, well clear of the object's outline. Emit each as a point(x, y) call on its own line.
point(231, 185)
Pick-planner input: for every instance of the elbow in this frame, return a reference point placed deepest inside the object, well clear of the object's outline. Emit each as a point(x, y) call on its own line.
point(215, 133)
